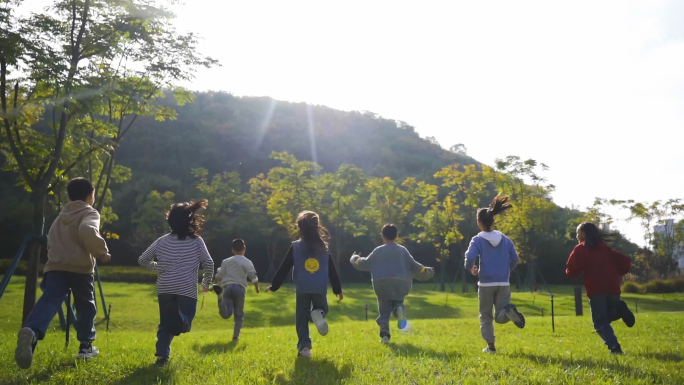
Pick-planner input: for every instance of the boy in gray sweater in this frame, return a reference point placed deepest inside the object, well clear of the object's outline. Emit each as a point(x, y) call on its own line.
point(392, 270)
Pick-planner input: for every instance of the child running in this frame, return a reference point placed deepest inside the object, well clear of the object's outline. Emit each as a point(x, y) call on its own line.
point(232, 278)
point(178, 256)
point(602, 267)
point(74, 242)
point(392, 270)
point(313, 268)
point(497, 258)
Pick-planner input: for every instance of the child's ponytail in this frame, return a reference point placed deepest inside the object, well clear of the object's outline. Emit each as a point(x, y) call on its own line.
point(183, 219)
point(499, 204)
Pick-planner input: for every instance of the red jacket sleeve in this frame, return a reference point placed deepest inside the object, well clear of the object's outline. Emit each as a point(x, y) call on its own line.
point(575, 264)
point(622, 262)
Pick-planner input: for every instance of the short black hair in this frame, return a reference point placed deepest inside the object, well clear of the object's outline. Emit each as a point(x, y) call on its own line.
point(238, 244)
point(79, 189)
point(389, 231)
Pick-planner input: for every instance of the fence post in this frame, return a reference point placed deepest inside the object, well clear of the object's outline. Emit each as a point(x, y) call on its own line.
point(553, 319)
point(578, 301)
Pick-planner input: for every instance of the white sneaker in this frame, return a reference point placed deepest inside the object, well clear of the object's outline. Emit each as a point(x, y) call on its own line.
point(385, 340)
point(306, 353)
point(489, 350)
point(23, 355)
point(89, 352)
point(319, 321)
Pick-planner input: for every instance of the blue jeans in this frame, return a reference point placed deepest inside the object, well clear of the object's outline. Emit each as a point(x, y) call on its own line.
point(387, 307)
point(604, 310)
point(55, 286)
point(232, 301)
point(176, 313)
point(305, 303)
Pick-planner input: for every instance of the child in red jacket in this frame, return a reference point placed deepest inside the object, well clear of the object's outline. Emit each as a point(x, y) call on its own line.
point(602, 267)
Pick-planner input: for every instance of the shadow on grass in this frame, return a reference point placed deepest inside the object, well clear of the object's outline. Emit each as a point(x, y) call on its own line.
point(410, 350)
point(150, 374)
point(666, 357)
point(216, 348)
point(614, 365)
point(45, 374)
point(312, 371)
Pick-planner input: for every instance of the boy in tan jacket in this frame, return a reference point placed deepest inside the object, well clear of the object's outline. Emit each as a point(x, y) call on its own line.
point(74, 242)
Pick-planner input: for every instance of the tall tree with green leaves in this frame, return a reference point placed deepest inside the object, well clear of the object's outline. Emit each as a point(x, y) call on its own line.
point(224, 194)
point(439, 224)
point(91, 67)
point(150, 219)
point(389, 203)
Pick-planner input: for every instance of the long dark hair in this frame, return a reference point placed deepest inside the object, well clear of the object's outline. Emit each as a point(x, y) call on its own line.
point(486, 215)
point(183, 219)
point(311, 231)
point(593, 236)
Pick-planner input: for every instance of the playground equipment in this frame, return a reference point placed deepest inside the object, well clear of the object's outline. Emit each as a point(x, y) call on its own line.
point(64, 323)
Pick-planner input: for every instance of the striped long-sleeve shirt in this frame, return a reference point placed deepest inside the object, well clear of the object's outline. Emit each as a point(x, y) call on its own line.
point(177, 263)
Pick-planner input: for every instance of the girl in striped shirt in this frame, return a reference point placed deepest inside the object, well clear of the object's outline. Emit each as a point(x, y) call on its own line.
point(177, 257)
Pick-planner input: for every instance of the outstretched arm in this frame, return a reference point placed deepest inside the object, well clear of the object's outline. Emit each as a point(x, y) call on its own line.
point(575, 264)
point(362, 264)
point(622, 262)
point(513, 254)
point(146, 260)
point(207, 264)
point(471, 255)
point(284, 268)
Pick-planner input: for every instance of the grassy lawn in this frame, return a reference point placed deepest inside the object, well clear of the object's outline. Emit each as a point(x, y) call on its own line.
point(441, 346)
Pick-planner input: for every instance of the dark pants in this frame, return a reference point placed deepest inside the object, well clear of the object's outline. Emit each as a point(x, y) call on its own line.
point(232, 301)
point(604, 310)
point(55, 286)
point(176, 313)
point(305, 304)
point(387, 307)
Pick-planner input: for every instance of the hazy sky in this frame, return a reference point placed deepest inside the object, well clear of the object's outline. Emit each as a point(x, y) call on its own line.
point(594, 89)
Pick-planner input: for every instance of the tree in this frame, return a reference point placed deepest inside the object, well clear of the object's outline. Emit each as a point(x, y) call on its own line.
point(459, 149)
point(149, 220)
point(439, 224)
point(345, 197)
point(388, 203)
point(71, 63)
point(224, 195)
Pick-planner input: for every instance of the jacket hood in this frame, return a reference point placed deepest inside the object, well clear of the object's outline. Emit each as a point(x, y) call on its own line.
point(74, 211)
point(493, 237)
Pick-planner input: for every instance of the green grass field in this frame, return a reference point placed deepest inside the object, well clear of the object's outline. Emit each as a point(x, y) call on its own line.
point(441, 346)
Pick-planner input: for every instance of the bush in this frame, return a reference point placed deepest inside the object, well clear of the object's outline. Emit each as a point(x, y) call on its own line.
point(656, 286)
point(630, 287)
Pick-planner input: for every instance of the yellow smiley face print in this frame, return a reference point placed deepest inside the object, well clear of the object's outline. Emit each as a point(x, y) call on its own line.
point(311, 265)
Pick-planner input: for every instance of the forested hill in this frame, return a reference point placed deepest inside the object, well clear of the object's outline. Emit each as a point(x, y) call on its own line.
point(222, 132)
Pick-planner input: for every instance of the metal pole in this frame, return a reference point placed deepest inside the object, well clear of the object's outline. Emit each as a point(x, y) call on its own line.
point(553, 319)
point(636, 305)
point(542, 310)
point(366, 312)
point(102, 297)
point(109, 315)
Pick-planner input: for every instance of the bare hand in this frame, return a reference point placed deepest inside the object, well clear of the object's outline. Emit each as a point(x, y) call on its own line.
point(204, 289)
point(340, 296)
point(257, 289)
point(473, 270)
point(106, 258)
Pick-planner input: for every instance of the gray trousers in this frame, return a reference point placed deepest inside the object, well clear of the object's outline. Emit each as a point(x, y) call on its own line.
point(387, 307)
point(497, 297)
point(232, 301)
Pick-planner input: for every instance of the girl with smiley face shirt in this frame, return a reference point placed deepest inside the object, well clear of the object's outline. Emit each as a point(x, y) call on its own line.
point(312, 269)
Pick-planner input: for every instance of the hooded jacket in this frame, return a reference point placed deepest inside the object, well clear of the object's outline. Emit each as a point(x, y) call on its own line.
point(74, 240)
point(497, 257)
point(392, 270)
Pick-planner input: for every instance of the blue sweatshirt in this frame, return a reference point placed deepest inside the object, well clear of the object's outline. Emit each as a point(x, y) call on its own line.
point(497, 257)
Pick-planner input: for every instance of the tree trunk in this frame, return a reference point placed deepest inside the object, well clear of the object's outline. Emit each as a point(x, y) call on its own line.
point(442, 284)
point(38, 225)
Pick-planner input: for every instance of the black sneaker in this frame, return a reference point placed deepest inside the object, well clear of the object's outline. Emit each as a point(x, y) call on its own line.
point(626, 314)
point(217, 289)
point(616, 350)
point(514, 315)
point(161, 361)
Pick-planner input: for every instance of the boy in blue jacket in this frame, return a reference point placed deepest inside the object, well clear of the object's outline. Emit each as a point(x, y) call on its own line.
point(497, 258)
point(392, 270)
